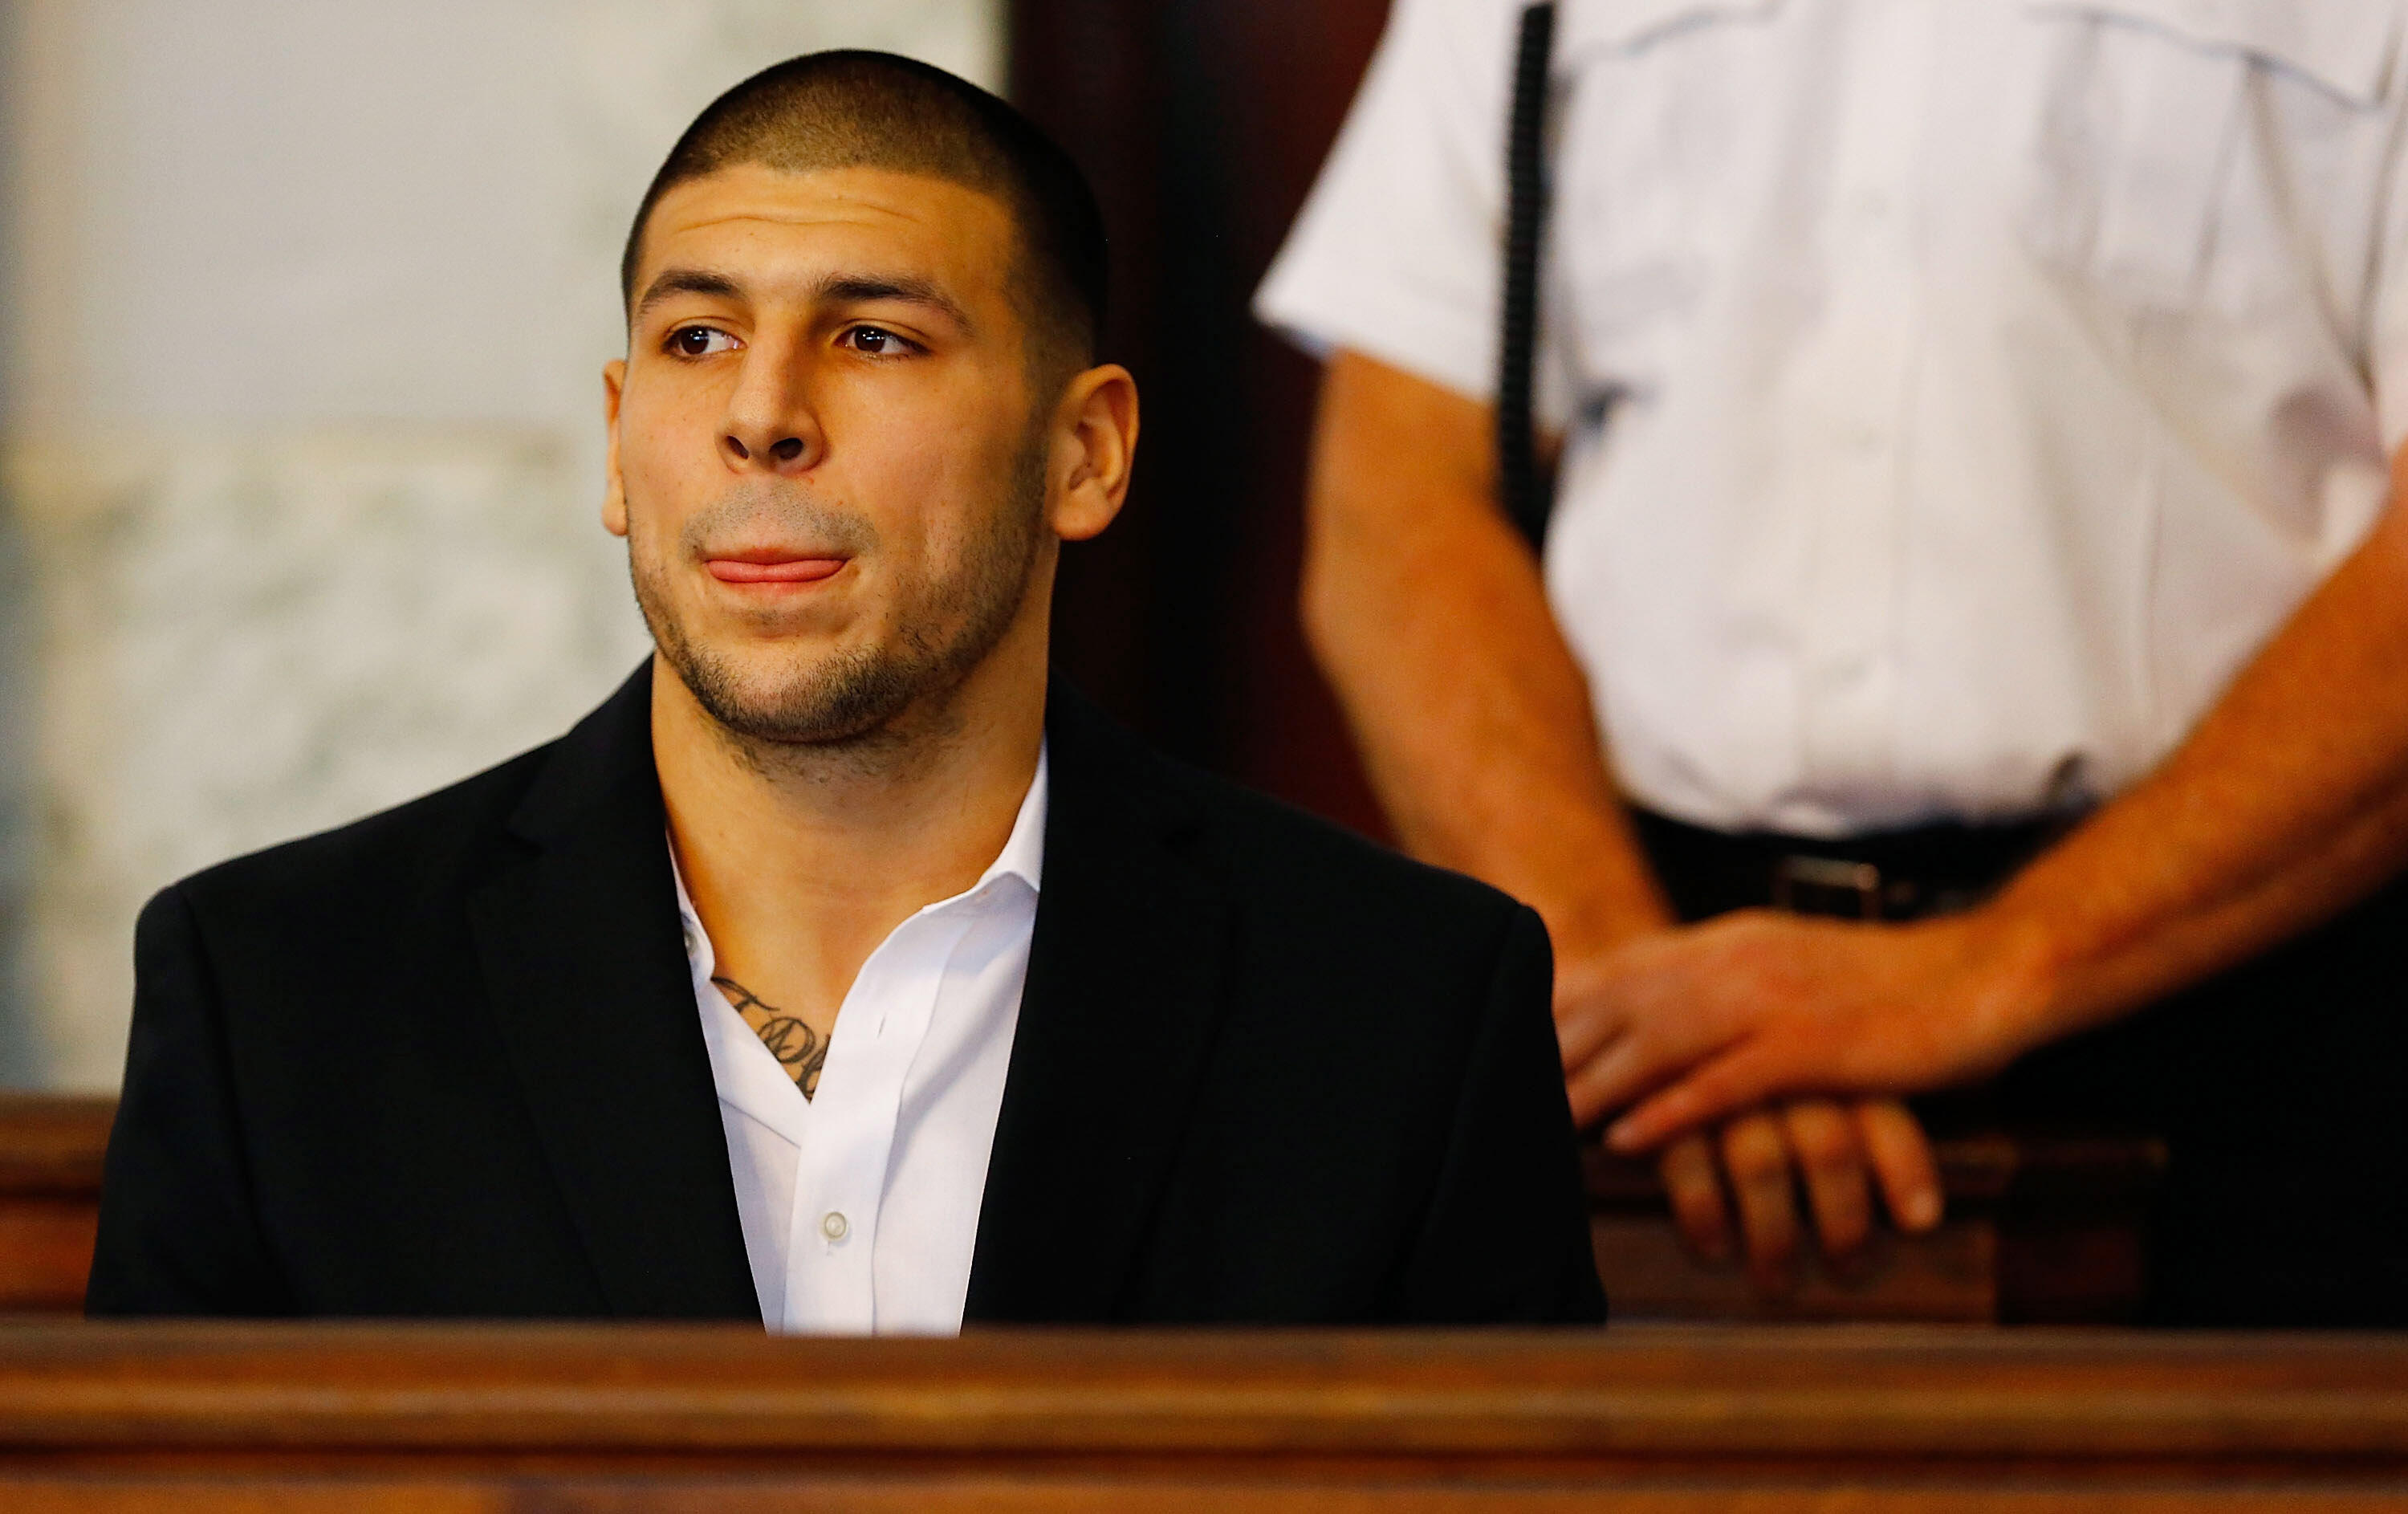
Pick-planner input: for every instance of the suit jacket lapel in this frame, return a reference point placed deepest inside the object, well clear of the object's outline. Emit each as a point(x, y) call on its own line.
point(1116, 1019)
point(581, 955)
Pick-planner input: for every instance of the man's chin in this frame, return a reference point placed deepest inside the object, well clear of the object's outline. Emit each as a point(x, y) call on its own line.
point(835, 699)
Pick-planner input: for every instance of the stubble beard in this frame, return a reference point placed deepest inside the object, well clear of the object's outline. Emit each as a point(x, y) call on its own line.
point(862, 704)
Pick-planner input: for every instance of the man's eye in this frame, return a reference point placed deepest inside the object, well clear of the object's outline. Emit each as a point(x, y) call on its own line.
point(875, 340)
point(700, 341)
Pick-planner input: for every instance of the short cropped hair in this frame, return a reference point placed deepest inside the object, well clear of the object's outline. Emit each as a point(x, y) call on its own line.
point(860, 109)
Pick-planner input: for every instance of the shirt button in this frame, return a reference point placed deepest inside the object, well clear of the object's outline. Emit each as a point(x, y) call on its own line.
point(833, 1226)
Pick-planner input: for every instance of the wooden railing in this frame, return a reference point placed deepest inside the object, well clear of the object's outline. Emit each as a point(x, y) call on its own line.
point(50, 1148)
point(108, 1418)
point(2040, 1230)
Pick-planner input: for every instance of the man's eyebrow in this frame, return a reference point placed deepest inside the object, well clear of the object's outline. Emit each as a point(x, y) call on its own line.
point(861, 289)
point(839, 288)
point(687, 282)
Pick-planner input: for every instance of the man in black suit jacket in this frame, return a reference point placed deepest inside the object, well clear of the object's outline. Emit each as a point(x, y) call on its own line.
point(459, 1060)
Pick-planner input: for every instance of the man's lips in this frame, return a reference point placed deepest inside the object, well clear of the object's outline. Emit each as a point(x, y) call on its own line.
point(774, 570)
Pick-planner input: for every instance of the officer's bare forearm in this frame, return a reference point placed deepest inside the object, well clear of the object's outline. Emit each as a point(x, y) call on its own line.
point(2286, 804)
point(1427, 614)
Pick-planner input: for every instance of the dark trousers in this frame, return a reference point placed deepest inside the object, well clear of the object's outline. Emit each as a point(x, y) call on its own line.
point(2280, 1088)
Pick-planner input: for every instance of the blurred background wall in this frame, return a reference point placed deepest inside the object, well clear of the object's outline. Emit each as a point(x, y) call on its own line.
point(305, 307)
point(1203, 124)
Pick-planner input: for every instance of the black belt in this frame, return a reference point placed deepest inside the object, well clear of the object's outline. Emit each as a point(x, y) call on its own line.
point(1886, 875)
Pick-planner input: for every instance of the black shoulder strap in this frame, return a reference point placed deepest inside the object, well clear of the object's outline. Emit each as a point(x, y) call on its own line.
point(1524, 495)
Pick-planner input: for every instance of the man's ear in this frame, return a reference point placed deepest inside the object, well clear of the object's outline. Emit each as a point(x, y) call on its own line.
point(614, 492)
point(1095, 446)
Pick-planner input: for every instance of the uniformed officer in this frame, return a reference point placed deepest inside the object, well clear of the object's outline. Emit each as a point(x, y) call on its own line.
point(1974, 518)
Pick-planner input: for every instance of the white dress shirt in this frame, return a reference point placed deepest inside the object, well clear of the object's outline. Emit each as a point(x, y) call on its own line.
point(1958, 391)
point(860, 1205)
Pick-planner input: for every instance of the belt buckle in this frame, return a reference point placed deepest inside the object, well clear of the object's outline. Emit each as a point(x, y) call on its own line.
point(1855, 883)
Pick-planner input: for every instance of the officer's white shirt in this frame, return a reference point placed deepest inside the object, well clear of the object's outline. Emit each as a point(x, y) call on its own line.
point(860, 1205)
point(1982, 380)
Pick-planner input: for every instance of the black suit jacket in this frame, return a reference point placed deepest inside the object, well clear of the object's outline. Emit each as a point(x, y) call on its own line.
point(446, 1061)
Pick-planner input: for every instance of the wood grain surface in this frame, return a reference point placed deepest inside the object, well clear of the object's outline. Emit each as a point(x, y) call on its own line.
point(910, 1495)
point(1708, 1398)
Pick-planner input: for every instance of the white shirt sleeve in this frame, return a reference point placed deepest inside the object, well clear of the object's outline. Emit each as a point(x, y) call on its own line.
point(1396, 253)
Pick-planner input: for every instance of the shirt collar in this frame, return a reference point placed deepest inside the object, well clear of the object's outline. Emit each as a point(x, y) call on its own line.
point(1024, 852)
point(1022, 857)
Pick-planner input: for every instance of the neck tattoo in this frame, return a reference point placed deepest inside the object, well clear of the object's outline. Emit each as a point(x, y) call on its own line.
point(798, 1048)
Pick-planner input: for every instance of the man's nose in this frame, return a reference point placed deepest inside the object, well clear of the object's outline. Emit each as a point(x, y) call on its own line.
point(776, 454)
point(770, 424)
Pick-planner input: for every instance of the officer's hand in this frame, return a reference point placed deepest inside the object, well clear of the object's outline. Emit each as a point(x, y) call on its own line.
point(1696, 1025)
point(1837, 1151)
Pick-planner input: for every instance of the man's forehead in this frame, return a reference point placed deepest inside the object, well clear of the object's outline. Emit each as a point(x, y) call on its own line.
point(752, 211)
